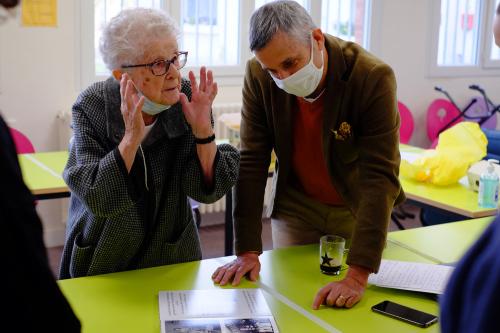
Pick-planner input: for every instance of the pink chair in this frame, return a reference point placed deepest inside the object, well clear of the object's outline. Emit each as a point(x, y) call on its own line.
point(439, 114)
point(23, 144)
point(407, 123)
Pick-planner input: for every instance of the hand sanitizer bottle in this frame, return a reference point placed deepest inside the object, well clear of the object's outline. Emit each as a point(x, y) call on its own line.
point(488, 187)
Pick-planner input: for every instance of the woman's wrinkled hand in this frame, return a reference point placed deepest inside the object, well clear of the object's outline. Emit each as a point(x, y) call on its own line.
point(197, 111)
point(131, 108)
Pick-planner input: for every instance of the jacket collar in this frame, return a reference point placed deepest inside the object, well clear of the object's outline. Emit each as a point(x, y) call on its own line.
point(170, 122)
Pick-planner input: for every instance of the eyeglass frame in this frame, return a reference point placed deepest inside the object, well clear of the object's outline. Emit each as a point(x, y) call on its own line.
point(169, 62)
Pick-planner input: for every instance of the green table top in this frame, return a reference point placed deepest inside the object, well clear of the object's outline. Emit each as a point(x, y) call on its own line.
point(42, 172)
point(128, 301)
point(456, 198)
point(446, 243)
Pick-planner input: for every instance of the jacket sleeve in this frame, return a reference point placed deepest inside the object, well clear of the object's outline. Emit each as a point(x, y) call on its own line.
point(256, 145)
point(379, 161)
point(96, 172)
point(225, 167)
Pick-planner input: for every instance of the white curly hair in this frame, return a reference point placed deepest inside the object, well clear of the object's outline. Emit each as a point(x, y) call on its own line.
point(126, 37)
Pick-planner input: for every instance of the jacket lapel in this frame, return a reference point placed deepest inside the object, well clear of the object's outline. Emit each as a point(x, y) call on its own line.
point(335, 86)
point(283, 104)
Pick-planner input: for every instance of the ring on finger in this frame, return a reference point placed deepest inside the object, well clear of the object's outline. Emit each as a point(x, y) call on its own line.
point(341, 300)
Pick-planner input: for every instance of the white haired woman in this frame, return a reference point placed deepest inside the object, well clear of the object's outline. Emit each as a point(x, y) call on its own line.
point(143, 144)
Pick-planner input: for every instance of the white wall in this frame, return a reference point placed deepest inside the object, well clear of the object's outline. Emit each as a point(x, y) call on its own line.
point(37, 79)
point(39, 75)
point(403, 42)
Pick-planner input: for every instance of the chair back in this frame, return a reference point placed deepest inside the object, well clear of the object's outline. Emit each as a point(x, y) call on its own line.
point(439, 114)
point(21, 141)
point(407, 123)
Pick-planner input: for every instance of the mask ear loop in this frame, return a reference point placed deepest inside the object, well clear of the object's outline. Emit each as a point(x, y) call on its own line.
point(145, 167)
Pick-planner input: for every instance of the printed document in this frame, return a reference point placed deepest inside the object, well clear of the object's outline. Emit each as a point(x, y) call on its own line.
point(215, 311)
point(429, 278)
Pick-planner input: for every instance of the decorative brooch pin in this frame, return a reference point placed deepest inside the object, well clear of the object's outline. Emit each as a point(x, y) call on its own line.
point(343, 133)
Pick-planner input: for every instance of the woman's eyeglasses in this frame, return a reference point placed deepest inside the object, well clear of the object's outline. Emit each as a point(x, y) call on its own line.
point(160, 67)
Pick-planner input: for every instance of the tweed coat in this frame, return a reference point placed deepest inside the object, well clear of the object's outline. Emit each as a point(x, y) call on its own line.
point(119, 221)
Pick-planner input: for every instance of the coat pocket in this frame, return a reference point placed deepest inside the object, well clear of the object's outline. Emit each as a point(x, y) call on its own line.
point(347, 151)
point(81, 257)
point(185, 248)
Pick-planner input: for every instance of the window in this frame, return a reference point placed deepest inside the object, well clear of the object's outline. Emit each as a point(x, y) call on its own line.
point(494, 51)
point(208, 32)
point(215, 32)
point(464, 45)
point(346, 19)
point(458, 32)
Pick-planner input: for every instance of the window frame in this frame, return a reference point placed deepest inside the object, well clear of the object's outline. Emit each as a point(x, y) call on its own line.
point(489, 40)
point(225, 75)
point(484, 65)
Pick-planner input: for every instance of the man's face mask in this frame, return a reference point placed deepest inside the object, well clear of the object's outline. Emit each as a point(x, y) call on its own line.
point(303, 82)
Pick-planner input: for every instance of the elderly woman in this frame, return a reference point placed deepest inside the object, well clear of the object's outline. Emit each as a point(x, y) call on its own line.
point(143, 143)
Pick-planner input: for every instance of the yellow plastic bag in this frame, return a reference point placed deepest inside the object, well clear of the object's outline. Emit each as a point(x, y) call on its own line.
point(458, 147)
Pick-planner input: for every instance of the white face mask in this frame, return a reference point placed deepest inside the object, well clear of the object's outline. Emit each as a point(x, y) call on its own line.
point(150, 107)
point(303, 82)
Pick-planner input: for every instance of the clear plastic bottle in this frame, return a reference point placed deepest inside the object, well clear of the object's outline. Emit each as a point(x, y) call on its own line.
point(488, 187)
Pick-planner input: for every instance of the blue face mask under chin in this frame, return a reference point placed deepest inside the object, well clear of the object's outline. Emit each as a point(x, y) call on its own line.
point(151, 107)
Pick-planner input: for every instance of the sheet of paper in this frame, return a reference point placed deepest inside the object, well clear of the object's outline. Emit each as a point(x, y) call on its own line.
point(39, 13)
point(429, 278)
point(216, 310)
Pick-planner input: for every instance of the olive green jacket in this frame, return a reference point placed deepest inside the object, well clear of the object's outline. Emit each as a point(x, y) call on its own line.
point(360, 145)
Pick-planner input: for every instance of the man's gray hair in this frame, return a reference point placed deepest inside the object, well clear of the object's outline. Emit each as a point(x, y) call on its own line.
point(125, 39)
point(283, 16)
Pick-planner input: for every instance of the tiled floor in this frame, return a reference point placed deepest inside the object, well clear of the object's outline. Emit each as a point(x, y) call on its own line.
point(212, 237)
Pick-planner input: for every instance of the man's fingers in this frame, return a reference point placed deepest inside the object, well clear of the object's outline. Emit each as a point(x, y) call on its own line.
point(240, 272)
point(254, 273)
point(320, 297)
point(214, 275)
point(351, 301)
point(340, 301)
point(332, 296)
point(219, 273)
point(228, 275)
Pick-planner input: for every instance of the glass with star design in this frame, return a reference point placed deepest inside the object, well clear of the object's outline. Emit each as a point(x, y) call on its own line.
point(331, 254)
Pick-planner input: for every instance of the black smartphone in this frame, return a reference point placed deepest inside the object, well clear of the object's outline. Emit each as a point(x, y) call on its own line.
point(405, 313)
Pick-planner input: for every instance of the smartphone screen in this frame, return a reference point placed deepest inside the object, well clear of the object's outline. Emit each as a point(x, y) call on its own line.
point(405, 313)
